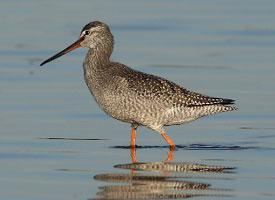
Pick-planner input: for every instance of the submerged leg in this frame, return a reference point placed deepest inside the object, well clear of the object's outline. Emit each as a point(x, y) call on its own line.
point(133, 154)
point(170, 155)
point(168, 140)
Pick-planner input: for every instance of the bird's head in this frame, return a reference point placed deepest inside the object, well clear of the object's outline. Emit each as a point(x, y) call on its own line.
point(95, 35)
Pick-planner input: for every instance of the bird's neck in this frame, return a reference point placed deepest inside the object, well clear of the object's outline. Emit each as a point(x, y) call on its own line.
point(95, 66)
point(96, 60)
point(98, 56)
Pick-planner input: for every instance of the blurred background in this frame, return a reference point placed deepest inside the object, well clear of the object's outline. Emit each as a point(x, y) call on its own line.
point(215, 47)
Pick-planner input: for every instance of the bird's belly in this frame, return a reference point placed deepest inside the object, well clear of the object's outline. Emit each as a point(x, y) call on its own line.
point(114, 105)
point(133, 109)
point(136, 109)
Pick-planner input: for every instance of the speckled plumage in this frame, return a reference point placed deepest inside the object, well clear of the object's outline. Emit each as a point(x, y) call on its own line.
point(139, 98)
point(136, 97)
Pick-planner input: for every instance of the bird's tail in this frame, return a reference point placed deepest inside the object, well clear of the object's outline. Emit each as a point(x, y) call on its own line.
point(227, 101)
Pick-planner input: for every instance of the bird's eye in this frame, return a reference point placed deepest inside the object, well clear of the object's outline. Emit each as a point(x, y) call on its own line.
point(86, 32)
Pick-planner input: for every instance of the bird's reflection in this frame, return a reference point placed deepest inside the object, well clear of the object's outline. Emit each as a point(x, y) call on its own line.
point(160, 180)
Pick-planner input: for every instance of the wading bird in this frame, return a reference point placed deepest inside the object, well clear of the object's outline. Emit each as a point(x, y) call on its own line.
point(135, 97)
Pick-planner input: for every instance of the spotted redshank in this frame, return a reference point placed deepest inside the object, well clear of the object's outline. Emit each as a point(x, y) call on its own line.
point(135, 97)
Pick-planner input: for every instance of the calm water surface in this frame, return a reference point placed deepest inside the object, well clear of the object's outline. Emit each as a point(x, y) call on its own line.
point(55, 143)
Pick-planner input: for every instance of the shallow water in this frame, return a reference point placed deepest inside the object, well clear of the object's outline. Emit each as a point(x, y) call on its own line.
point(55, 143)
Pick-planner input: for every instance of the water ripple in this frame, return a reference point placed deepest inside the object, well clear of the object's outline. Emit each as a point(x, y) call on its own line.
point(193, 147)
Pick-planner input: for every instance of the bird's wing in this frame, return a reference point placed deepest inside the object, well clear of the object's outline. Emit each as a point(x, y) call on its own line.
point(150, 86)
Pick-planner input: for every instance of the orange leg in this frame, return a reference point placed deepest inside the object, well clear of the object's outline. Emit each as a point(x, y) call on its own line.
point(168, 140)
point(133, 137)
point(133, 145)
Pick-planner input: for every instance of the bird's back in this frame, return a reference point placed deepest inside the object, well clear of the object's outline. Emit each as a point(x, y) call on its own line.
point(151, 86)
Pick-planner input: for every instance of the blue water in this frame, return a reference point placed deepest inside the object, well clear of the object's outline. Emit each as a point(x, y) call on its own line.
point(55, 143)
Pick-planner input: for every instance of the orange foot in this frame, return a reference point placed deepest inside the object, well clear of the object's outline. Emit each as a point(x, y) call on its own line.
point(170, 155)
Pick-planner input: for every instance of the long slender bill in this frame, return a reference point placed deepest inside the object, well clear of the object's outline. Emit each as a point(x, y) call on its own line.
point(72, 47)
